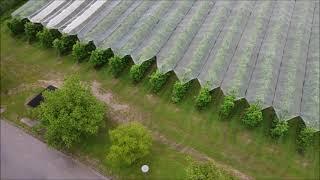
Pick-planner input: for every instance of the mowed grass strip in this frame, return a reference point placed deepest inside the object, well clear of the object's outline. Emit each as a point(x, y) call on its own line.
point(251, 151)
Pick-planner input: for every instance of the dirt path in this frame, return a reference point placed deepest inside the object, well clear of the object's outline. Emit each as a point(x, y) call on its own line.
point(123, 113)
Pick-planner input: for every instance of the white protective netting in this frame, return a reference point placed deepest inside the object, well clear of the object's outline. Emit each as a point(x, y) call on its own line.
point(45, 12)
point(264, 51)
point(146, 24)
point(190, 65)
point(311, 95)
point(182, 36)
point(263, 79)
point(237, 77)
point(90, 13)
point(289, 85)
point(29, 8)
point(153, 43)
point(66, 13)
point(219, 58)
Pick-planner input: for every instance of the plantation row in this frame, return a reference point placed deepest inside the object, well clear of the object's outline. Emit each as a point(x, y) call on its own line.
point(245, 47)
point(65, 44)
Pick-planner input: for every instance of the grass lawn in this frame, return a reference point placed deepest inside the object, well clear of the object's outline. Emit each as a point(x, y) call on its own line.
point(251, 151)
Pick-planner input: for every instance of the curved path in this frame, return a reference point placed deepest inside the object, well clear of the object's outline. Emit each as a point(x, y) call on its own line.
point(25, 157)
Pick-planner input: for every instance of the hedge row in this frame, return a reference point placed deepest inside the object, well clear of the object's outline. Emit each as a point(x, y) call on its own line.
point(252, 116)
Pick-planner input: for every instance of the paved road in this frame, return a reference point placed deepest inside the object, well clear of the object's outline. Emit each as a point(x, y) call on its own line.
point(25, 157)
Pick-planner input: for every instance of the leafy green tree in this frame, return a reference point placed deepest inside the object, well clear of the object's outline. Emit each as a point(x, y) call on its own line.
point(31, 30)
point(227, 105)
point(82, 51)
point(279, 128)
point(16, 26)
point(130, 143)
point(253, 115)
point(47, 36)
point(137, 71)
point(205, 171)
point(64, 44)
point(117, 65)
point(204, 98)
point(99, 57)
point(157, 80)
point(305, 138)
point(70, 114)
point(179, 91)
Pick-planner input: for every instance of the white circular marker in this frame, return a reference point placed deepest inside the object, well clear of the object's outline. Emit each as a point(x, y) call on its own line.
point(145, 168)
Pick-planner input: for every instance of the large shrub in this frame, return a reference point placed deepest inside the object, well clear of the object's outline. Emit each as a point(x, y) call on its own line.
point(64, 44)
point(179, 91)
point(31, 30)
point(16, 26)
point(305, 138)
point(47, 36)
point(117, 65)
point(137, 71)
point(99, 57)
point(205, 171)
point(279, 128)
point(227, 105)
point(81, 51)
point(204, 98)
point(157, 80)
point(70, 114)
point(130, 143)
point(253, 115)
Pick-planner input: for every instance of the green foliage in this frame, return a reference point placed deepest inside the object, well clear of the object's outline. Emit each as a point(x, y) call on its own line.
point(179, 91)
point(117, 65)
point(7, 5)
point(31, 30)
point(204, 98)
point(305, 138)
point(64, 44)
point(205, 171)
point(130, 143)
point(47, 36)
point(16, 26)
point(137, 71)
point(99, 57)
point(157, 80)
point(70, 114)
point(279, 128)
point(253, 115)
point(82, 51)
point(227, 105)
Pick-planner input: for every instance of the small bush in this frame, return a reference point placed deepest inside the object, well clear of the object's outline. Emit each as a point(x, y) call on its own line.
point(279, 128)
point(227, 105)
point(130, 143)
point(137, 71)
point(204, 98)
point(64, 44)
point(47, 36)
point(99, 57)
point(179, 91)
point(305, 138)
point(253, 115)
point(31, 30)
point(16, 26)
point(205, 171)
point(117, 65)
point(82, 51)
point(157, 80)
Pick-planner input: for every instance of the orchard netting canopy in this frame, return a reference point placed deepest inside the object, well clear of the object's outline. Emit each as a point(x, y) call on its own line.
point(266, 51)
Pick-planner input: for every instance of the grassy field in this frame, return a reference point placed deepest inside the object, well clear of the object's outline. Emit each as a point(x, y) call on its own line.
point(227, 141)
